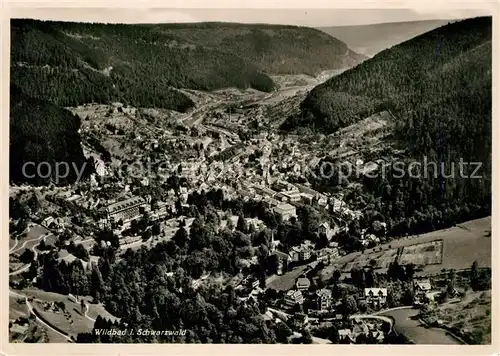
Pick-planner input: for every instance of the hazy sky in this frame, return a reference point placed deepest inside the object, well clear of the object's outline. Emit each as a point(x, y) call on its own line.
point(312, 17)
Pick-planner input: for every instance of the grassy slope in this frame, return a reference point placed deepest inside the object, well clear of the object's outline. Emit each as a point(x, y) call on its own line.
point(470, 317)
point(462, 245)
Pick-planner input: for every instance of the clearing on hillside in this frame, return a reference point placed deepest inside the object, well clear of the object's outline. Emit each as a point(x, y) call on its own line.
point(382, 260)
point(62, 312)
point(470, 318)
point(461, 245)
point(427, 253)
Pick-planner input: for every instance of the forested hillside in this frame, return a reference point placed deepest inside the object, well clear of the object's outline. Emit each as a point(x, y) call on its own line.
point(438, 87)
point(448, 61)
point(68, 64)
point(74, 63)
point(275, 49)
point(42, 132)
point(154, 289)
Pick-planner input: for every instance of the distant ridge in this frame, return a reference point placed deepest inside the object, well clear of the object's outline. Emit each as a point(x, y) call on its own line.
point(64, 64)
point(142, 64)
point(371, 39)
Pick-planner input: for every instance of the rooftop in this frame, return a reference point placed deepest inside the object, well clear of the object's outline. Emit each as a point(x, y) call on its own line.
point(375, 292)
point(294, 293)
point(327, 293)
point(424, 285)
point(285, 207)
point(303, 282)
point(125, 204)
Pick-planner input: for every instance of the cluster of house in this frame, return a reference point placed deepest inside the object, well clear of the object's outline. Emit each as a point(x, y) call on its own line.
point(283, 195)
point(125, 211)
point(322, 298)
point(303, 253)
point(51, 222)
point(375, 297)
point(361, 327)
point(423, 292)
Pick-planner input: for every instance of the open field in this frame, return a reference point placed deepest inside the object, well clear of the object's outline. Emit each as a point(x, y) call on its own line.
point(17, 308)
point(461, 245)
point(53, 336)
point(71, 319)
point(98, 309)
point(30, 239)
point(51, 239)
point(427, 253)
point(382, 259)
point(287, 280)
point(386, 258)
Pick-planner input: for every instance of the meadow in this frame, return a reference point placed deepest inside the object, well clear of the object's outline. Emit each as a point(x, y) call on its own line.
point(461, 245)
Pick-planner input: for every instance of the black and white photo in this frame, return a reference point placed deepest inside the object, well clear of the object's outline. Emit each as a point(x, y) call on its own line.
point(258, 176)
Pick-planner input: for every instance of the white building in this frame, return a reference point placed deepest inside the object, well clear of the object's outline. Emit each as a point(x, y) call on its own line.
point(327, 230)
point(291, 195)
point(286, 211)
point(374, 295)
point(324, 299)
point(292, 297)
point(126, 210)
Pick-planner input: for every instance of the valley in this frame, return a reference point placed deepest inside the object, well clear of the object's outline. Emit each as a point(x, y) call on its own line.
point(238, 186)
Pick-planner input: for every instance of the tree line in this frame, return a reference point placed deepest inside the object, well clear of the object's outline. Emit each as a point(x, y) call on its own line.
point(438, 88)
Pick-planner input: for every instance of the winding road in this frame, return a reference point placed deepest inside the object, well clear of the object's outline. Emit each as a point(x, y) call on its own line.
point(31, 310)
point(403, 320)
point(33, 249)
point(407, 323)
point(13, 248)
point(86, 311)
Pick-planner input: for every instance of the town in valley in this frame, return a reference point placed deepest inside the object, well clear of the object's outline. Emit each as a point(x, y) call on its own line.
point(238, 219)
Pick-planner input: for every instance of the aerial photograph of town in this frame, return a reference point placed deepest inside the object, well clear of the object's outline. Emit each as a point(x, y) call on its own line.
point(250, 178)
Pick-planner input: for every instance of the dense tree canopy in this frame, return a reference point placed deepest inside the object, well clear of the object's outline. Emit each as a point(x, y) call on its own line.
point(42, 132)
point(437, 86)
point(75, 63)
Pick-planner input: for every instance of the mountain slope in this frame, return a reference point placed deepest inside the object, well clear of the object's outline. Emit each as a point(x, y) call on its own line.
point(438, 88)
point(42, 132)
point(73, 63)
point(448, 61)
point(371, 39)
point(275, 49)
point(56, 64)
